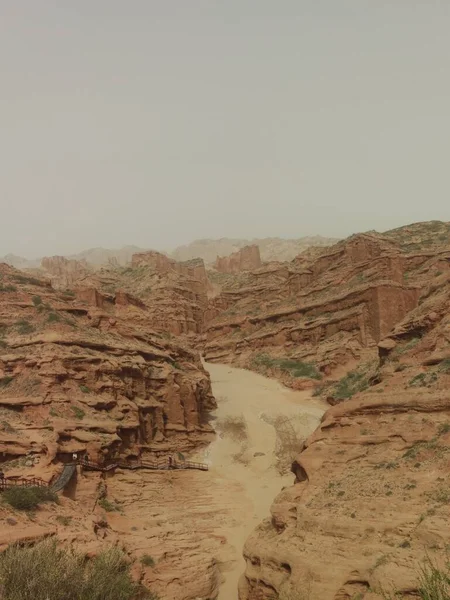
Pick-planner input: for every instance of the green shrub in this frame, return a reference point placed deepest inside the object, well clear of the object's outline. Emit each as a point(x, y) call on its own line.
point(4, 381)
point(37, 300)
point(433, 583)
point(444, 428)
point(29, 280)
point(147, 561)
point(24, 326)
point(44, 572)
point(353, 382)
point(444, 367)
point(64, 520)
point(107, 505)
point(53, 318)
point(84, 389)
point(78, 412)
point(295, 368)
point(423, 380)
point(7, 288)
point(28, 498)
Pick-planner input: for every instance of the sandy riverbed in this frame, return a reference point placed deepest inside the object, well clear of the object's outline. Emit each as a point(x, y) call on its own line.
point(245, 469)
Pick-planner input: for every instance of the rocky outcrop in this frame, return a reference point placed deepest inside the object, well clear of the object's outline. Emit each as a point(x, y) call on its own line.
point(370, 498)
point(64, 272)
point(327, 309)
point(271, 248)
point(245, 259)
point(93, 376)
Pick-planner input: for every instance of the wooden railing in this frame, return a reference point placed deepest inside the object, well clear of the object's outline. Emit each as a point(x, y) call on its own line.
point(6, 484)
point(69, 469)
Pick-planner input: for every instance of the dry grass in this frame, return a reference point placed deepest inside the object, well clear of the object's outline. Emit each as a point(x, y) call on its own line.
point(234, 427)
point(433, 584)
point(288, 444)
point(44, 572)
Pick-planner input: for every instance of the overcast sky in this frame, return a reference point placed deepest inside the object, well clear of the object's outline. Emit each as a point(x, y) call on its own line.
point(158, 122)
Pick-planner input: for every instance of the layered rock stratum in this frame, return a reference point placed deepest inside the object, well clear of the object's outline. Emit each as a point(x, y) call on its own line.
point(105, 360)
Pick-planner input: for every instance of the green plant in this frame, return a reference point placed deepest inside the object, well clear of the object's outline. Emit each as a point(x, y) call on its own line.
point(28, 498)
point(423, 379)
point(444, 367)
point(433, 583)
point(7, 288)
point(78, 412)
point(444, 428)
point(408, 346)
point(353, 382)
point(24, 326)
point(53, 318)
point(44, 571)
point(29, 280)
point(84, 389)
point(7, 428)
point(295, 368)
point(64, 520)
point(107, 505)
point(147, 561)
point(5, 381)
point(37, 300)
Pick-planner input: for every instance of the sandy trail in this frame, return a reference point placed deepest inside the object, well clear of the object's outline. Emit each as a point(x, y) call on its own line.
point(243, 471)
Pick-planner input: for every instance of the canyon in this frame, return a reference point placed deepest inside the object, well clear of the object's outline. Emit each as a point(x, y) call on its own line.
point(322, 411)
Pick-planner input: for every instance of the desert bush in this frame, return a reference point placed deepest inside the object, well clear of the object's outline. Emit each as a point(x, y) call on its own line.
point(24, 326)
point(78, 412)
point(147, 561)
point(28, 498)
point(84, 389)
point(353, 382)
point(53, 318)
point(29, 280)
point(295, 368)
point(433, 584)
point(423, 380)
point(5, 381)
point(44, 572)
point(37, 300)
point(107, 505)
point(7, 288)
point(444, 367)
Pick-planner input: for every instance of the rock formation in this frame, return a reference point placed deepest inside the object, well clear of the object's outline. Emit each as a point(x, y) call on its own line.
point(245, 259)
point(89, 376)
point(370, 498)
point(326, 309)
point(63, 272)
point(271, 248)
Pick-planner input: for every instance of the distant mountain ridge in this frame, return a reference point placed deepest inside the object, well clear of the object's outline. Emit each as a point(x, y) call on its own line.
point(270, 248)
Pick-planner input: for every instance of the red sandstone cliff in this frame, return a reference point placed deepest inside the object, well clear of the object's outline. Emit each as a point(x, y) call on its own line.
point(245, 259)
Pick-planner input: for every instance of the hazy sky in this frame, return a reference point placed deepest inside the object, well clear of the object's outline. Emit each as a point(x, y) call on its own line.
point(157, 122)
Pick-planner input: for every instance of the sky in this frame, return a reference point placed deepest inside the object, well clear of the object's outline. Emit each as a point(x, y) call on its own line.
point(155, 123)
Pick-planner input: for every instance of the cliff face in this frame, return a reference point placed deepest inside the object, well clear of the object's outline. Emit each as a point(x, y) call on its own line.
point(92, 374)
point(329, 309)
point(246, 259)
point(63, 272)
point(370, 498)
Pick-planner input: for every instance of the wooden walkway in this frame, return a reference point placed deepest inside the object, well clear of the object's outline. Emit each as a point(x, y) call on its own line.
point(69, 470)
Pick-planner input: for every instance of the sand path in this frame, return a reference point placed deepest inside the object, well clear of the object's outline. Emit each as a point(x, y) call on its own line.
point(244, 470)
